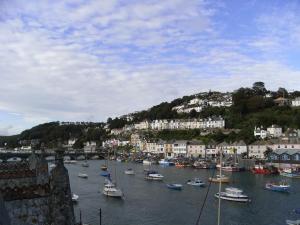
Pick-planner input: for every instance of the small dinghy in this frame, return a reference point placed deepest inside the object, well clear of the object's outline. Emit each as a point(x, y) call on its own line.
point(75, 198)
point(129, 171)
point(196, 182)
point(175, 186)
point(104, 167)
point(83, 175)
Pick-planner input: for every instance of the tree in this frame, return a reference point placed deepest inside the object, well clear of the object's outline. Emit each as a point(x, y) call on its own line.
point(259, 88)
point(282, 92)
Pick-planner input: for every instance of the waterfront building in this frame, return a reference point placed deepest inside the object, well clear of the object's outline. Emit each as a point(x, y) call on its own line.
point(258, 148)
point(285, 156)
point(180, 148)
point(160, 148)
point(196, 149)
point(168, 147)
point(211, 149)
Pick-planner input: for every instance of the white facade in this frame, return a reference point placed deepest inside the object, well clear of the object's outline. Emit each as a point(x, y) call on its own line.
point(260, 132)
point(274, 131)
point(257, 149)
point(144, 125)
point(180, 148)
point(196, 149)
point(296, 102)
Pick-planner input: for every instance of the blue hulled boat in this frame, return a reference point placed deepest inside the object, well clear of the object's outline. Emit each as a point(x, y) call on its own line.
point(175, 186)
point(278, 187)
point(105, 174)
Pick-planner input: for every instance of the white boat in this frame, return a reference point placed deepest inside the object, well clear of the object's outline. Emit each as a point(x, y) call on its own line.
point(154, 176)
point(52, 165)
point(233, 194)
point(82, 175)
point(196, 182)
point(165, 162)
point(70, 161)
point(85, 164)
point(75, 198)
point(111, 190)
point(147, 162)
point(129, 171)
point(293, 222)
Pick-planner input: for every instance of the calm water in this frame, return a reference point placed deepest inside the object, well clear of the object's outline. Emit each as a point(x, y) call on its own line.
point(151, 203)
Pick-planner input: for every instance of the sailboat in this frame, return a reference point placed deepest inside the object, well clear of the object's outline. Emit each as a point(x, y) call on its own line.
point(110, 188)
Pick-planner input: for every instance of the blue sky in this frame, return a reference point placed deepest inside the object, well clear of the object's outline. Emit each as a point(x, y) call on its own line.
point(86, 60)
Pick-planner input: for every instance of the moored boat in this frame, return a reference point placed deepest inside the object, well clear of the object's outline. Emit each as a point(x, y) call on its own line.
point(75, 198)
point(104, 167)
point(105, 174)
point(196, 182)
point(85, 164)
point(290, 172)
point(292, 222)
point(147, 162)
point(82, 175)
point(129, 171)
point(281, 187)
point(110, 190)
point(218, 179)
point(175, 186)
point(165, 162)
point(233, 194)
point(154, 176)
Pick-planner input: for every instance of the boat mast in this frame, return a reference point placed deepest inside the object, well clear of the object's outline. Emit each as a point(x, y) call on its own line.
point(220, 186)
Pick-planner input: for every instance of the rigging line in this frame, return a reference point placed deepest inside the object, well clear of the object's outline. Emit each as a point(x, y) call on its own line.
point(205, 198)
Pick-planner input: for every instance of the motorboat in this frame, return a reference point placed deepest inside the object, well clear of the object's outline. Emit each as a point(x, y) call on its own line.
point(175, 186)
point(218, 179)
point(110, 190)
point(203, 165)
point(281, 187)
point(196, 182)
point(233, 194)
point(75, 198)
point(293, 222)
point(154, 176)
point(129, 171)
point(82, 175)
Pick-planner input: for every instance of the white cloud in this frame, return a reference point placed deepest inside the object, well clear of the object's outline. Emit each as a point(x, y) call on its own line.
point(88, 60)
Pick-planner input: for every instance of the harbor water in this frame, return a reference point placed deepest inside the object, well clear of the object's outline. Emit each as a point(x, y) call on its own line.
point(152, 203)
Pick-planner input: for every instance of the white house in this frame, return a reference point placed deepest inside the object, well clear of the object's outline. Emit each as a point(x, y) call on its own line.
point(90, 146)
point(180, 148)
point(196, 149)
point(144, 125)
point(274, 131)
point(260, 132)
point(257, 149)
point(296, 102)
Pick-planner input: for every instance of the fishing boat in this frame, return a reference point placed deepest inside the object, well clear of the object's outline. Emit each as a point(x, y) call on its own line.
point(175, 186)
point(290, 172)
point(111, 190)
point(154, 176)
point(83, 175)
point(293, 222)
point(75, 198)
point(218, 179)
point(281, 187)
point(196, 182)
point(129, 171)
point(233, 194)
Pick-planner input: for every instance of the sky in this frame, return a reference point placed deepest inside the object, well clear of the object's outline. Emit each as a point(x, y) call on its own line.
point(87, 60)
